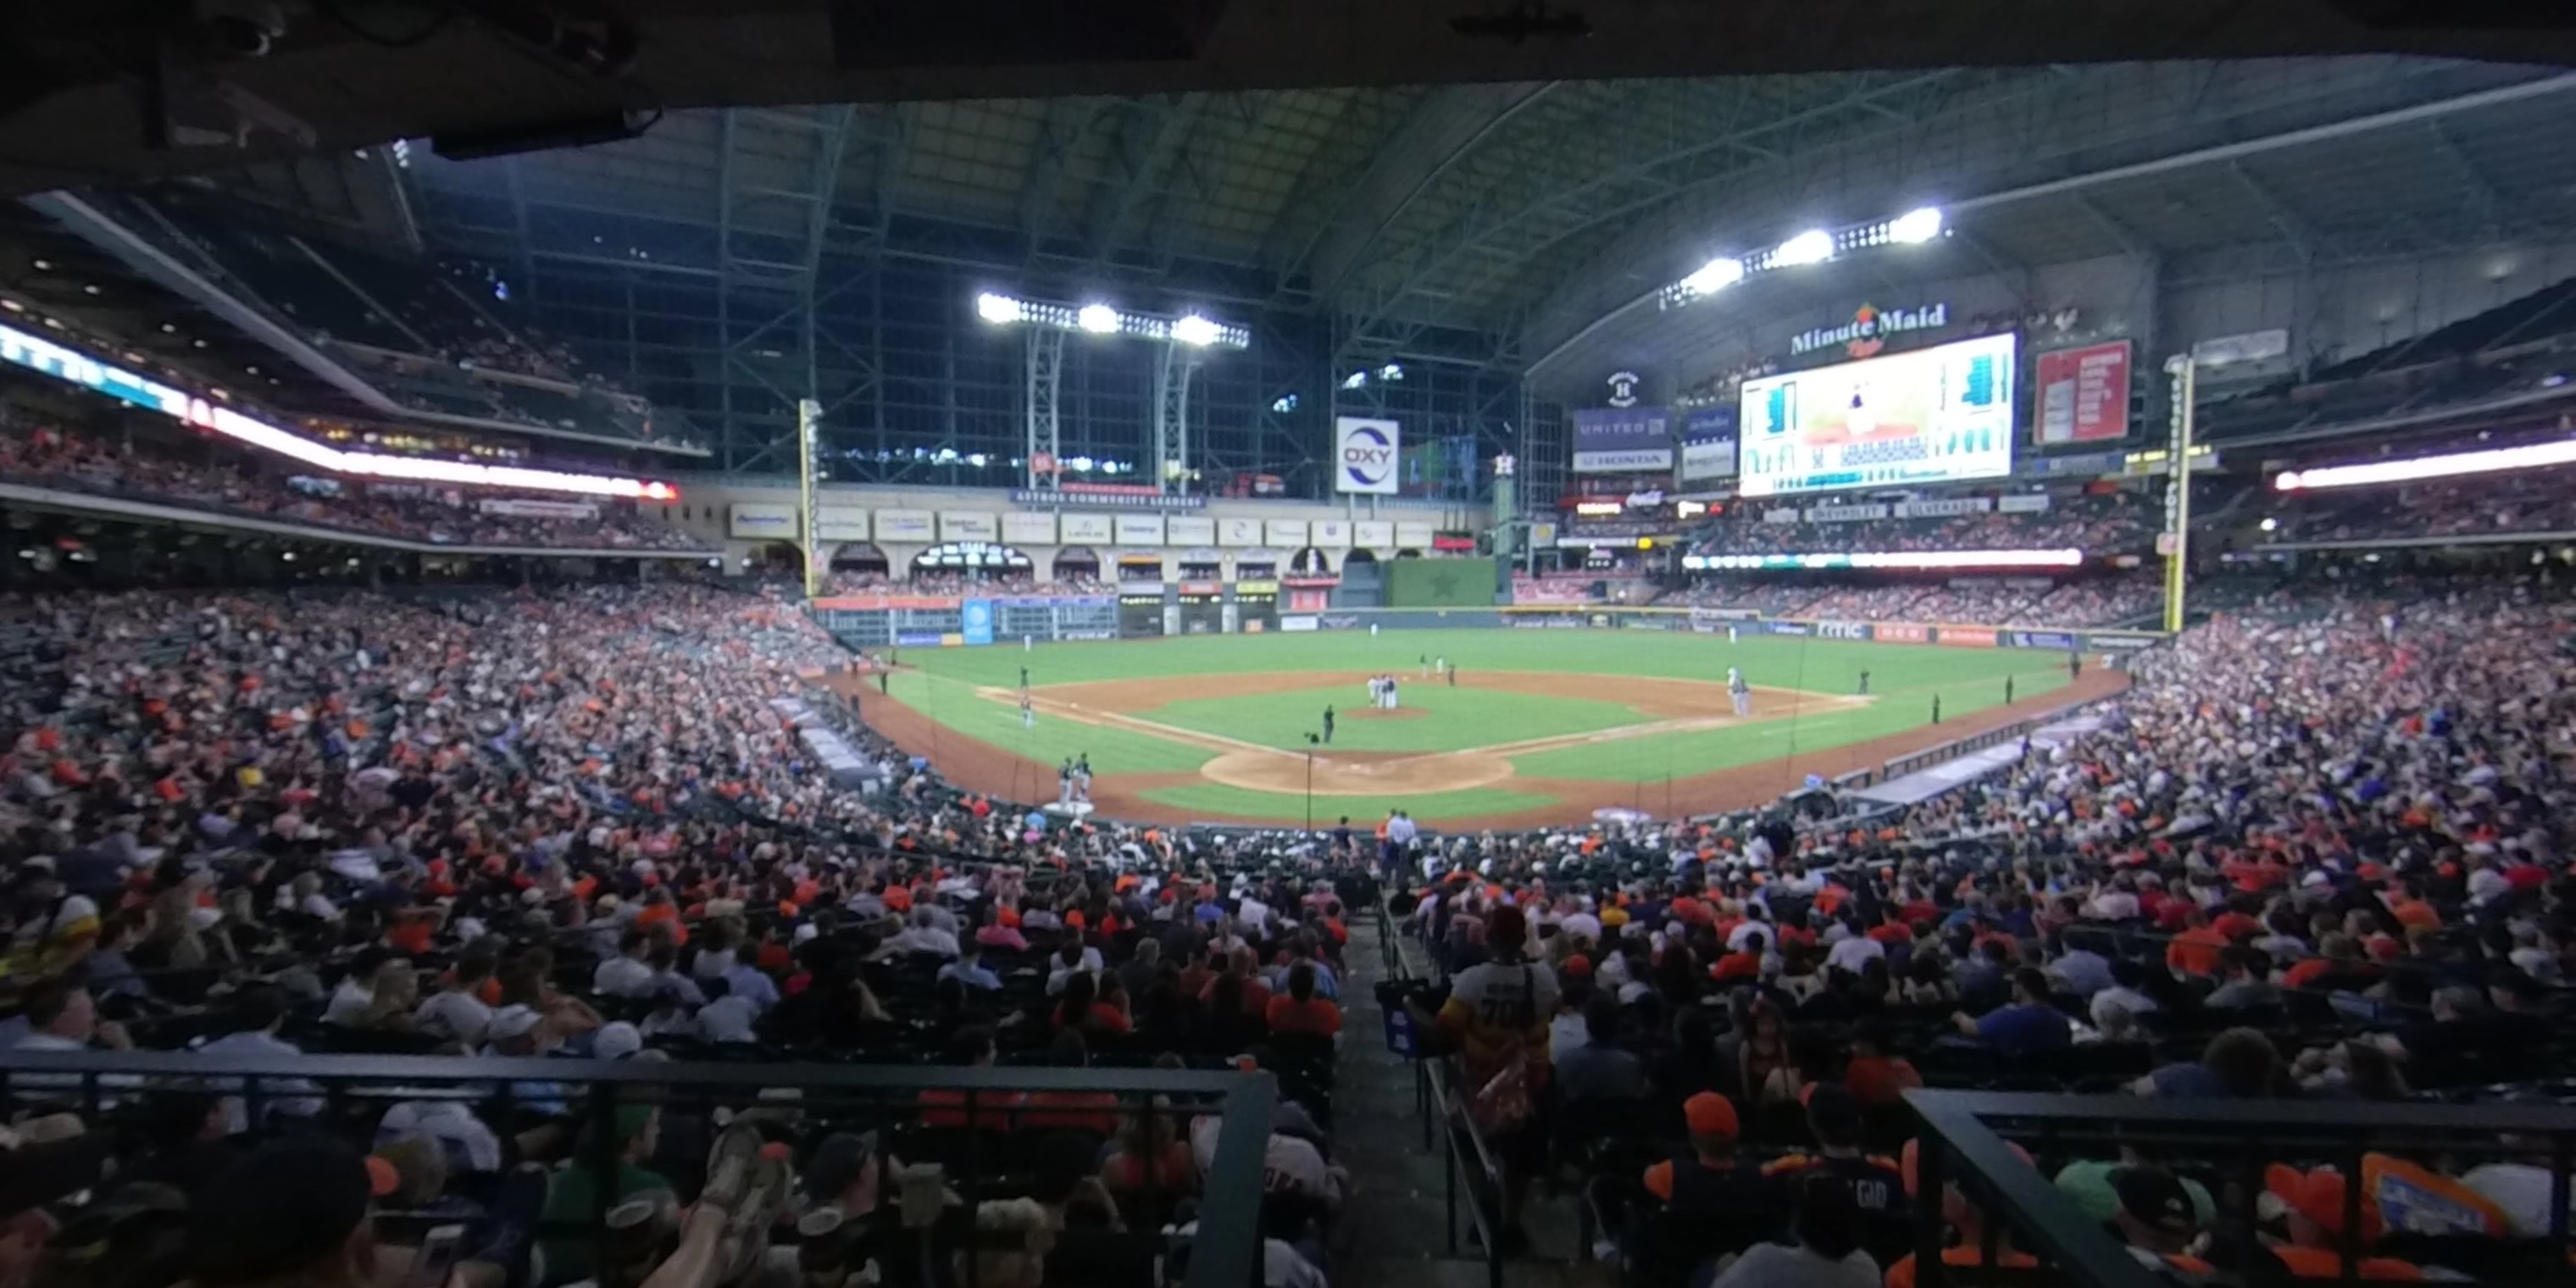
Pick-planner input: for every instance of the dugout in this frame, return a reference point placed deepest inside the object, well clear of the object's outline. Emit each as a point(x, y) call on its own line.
point(1256, 606)
point(1140, 614)
point(1200, 606)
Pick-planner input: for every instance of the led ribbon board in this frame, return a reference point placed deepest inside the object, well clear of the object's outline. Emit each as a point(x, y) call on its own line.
point(74, 367)
point(1920, 559)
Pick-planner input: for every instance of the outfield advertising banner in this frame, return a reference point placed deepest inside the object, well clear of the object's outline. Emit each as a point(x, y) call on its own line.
point(1365, 454)
point(969, 525)
point(1842, 630)
point(1021, 528)
point(1708, 444)
point(1901, 633)
point(2083, 395)
point(840, 523)
point(1622, 440)
point(906, 525)
point(1786, 628)
point(975, 621)
point(2058, 640)
point(1338, 621)
point(774, 522)
point(1298, 623)
point(1964, 637)
point(2119, 643)
point(526, 508)
point(1722, 616)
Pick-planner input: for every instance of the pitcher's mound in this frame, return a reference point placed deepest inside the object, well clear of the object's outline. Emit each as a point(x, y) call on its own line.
point(1357, 773)
point(1381, 713)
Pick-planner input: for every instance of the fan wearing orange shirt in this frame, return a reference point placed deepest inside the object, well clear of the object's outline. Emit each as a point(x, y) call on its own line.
point(1299, 1011)
point(2196, 950)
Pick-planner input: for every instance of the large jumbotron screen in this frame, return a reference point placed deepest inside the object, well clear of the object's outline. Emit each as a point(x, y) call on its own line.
point(1929, 416)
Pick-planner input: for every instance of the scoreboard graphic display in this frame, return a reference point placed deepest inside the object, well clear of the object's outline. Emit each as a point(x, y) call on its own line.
point(1933, 415)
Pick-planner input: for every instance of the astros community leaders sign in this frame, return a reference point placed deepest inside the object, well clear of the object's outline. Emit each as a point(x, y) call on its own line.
point(1364, 455)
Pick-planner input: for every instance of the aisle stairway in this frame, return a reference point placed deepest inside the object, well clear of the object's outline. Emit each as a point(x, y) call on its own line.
point(1390, 1233)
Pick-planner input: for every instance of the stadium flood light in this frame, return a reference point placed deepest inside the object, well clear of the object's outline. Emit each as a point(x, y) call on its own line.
point(2450, 465)
point(1813, 246)
point(1194, 329)
point(1915, 227)
point(1713, 276)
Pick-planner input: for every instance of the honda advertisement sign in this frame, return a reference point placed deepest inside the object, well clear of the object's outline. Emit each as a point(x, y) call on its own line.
point(1622, 440)
point(1708, 444)
point(1364, 455)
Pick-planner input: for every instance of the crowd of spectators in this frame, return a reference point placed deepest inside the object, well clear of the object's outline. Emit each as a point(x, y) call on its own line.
point(2320, 858)
point(2317, 856)
point(2003, 601)
point(2097, 523)
point(40, 454)
point(2480, 505)
point(571, 825)
point(2110, 600)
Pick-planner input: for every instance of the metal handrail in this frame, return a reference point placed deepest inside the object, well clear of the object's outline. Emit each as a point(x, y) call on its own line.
point(1225, 1253)
point(1968, 1130)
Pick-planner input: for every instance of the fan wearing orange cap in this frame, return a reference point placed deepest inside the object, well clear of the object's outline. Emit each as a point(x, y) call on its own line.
point(1710, 1179)
point(2313, 1212)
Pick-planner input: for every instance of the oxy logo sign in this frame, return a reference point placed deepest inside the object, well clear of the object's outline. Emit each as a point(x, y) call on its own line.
point(1365, 455)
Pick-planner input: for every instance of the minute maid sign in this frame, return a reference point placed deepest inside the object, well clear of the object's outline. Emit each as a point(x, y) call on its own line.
point(1869, 328)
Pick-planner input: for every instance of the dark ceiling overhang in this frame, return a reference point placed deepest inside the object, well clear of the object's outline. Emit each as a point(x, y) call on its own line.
point(78, 112)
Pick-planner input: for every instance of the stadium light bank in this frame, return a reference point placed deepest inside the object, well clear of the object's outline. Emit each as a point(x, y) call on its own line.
point(1194, 329)
point(2531, 456)
point(1814, 246)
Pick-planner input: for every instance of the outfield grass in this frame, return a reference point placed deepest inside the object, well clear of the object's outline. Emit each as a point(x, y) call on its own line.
point(1824, 666)
point(1903, 678)
point(1680, 755)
